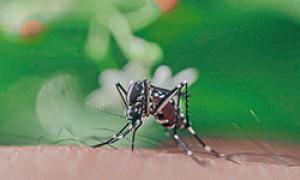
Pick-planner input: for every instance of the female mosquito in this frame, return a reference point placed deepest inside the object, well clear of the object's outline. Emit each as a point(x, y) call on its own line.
point(143, 99)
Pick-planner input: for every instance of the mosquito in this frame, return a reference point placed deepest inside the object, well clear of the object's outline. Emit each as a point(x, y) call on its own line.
point(143, 99)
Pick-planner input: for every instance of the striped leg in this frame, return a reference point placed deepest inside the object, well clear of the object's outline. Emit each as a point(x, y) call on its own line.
point(208, 148)
point(175, 135)
point(134, 130)
point(205, 146)
point(169, 96)
point(147, 97)
point(191, 130)
point(119, 135)
point(122, 93)
point(184, 147)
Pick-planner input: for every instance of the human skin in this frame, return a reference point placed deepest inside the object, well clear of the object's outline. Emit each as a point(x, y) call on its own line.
point(73, 162)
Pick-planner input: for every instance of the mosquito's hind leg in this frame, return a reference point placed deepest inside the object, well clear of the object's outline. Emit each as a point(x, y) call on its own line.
point(191, 130)
point(119, 135)
point(208, 148)
point(184, 147)
point(204, 145)
point(175, 136)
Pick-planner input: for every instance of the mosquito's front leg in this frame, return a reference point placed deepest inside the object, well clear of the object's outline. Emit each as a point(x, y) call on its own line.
point(122, 93)
point(134, 130)
point(119, 135)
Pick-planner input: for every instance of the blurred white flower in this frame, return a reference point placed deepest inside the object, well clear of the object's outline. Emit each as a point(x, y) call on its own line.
point(107, 96)
point(163, 77)
point(107, 18)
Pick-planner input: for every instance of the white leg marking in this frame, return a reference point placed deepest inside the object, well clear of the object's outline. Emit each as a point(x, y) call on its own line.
point(207, 148)
point(176, 136)
point(191, 130)
point(189, 152)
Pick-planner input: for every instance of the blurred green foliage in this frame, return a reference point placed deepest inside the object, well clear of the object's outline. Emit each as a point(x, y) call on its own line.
point(248, 56)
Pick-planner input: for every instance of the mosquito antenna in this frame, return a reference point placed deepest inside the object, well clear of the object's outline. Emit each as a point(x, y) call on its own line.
point(106, 112)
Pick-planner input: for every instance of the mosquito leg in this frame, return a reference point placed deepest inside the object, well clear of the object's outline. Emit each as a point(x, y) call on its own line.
point(133, 140)
point(115, 137)
point(122, 93)
point(205, 146)
point(119, 85)
point(147, 97)
point(175, 135)
point(187, 117)
point(184, 147)
point(98, 139)
point(121, 136)
point(191, 130)
point(134, 130)
point(208, 148)
point(169, 96)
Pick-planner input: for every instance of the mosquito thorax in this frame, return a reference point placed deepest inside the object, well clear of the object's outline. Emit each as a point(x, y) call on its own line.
point(135, 100)
point(135, 93)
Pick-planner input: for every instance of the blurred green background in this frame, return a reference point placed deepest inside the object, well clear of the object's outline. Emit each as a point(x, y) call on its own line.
point(247, 54)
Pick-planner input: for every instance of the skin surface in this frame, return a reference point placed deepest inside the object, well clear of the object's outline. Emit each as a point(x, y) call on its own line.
point(72, 163)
